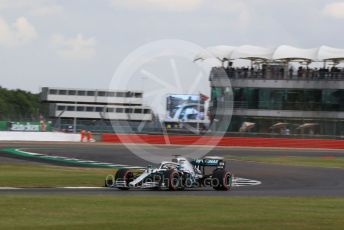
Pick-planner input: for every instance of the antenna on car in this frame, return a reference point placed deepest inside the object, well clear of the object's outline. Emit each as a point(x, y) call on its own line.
point(175, 160)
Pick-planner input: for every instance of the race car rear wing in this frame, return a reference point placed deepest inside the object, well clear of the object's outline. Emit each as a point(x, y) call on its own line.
point(209, 162)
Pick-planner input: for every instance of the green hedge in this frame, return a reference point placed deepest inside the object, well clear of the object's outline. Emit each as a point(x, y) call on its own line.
point(3, 125)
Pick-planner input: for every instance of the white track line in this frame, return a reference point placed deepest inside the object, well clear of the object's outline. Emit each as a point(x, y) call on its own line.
point(78, 161)
point(80, 187)
point(9, 188)
point(240, 182)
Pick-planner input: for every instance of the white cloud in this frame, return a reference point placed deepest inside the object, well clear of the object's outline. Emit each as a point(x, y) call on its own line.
point(74, 48)
point(46, 10)
point(335, 9)
point(34, 7)
point(8, 4)
point(19, 33)
point(169, 5)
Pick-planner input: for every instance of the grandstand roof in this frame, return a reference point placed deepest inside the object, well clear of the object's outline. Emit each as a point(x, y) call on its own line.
point(283, 52)
point(328, 53)
point(252, 52)
point(220, 52)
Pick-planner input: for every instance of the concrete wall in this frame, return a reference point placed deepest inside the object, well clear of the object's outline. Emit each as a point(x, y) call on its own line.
point(38, 136)
point(224, 141)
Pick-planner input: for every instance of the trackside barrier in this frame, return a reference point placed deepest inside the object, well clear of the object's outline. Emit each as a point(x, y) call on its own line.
point(38, 136)
point(223, 141)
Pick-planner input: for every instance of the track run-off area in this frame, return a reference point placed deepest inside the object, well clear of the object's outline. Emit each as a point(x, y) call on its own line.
point(250, 177)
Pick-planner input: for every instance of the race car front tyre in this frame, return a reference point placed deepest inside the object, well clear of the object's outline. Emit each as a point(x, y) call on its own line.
point(122, 178)
point(222, 180)
point(172, 180)
point(108, 183)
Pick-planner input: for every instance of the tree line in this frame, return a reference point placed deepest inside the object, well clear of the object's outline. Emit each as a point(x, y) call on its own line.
point(20, 105)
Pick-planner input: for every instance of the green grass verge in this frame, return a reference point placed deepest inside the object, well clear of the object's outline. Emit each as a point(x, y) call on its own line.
point(39, 175)
point(169, 212)
point(328, 162)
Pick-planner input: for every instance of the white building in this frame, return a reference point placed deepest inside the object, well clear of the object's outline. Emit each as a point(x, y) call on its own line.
point(85, 104)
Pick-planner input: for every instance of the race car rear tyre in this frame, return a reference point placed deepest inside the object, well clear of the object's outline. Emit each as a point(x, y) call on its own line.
point(172, 180)
point(222, 180)
point(124, 175)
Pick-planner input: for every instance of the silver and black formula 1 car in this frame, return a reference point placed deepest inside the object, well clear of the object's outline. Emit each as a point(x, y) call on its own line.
point(178, 174)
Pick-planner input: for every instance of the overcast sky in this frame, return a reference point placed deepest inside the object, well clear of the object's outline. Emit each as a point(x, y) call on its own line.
point(81, 43)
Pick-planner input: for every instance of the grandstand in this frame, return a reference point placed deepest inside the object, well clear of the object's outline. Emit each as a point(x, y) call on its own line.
point(284, 90)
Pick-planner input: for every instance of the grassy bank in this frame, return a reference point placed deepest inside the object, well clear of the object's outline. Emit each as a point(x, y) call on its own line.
point(170, 212)
point(326, 161)
point(37, 175)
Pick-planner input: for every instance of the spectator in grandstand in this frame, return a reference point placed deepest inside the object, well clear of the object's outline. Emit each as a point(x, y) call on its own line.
point(281, 72)
point(291, 72)
point(300, 72)
point(264, 71)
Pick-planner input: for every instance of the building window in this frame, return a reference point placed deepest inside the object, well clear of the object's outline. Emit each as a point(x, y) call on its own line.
point(288, 99)
point(90, 93)
point(138, 95)
point(129, 94)
point(146, 111)
point(80, 108)
point(99, 109)
point(63, 92)
point(81, 93)
point(137, 110)
point(312, 100)
point(70, 108)
point(89, 109)
point(119, 110)
point(128, 110)
point(111, 94)
point(72, 92)
point(101, 93)
point(120, 94)
point(61, 108)
point(110, 110)
point(333, 100)
point(53, 91)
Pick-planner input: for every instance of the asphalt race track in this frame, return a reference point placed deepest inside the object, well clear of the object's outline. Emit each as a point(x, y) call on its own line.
point(275, 179)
